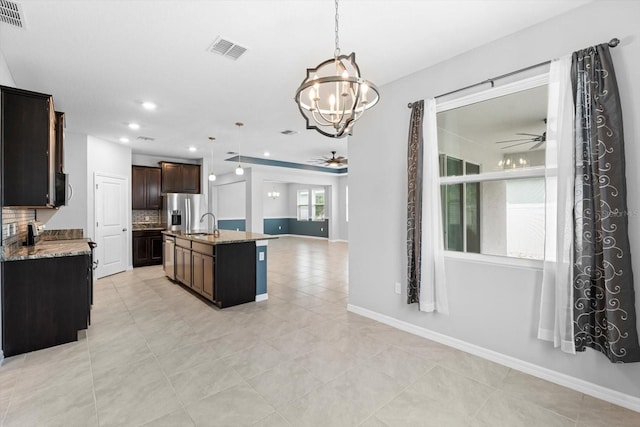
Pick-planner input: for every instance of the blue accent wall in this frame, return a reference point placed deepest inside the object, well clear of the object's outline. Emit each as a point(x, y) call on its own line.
point(276, 225)
point(293, 226)
point(309, 228)
point(261, 270)
point(232, 224)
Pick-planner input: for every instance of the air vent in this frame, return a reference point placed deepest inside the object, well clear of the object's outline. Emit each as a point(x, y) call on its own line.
point(288, 132)
point(145, 138)
point(226, 48)
point(11, 13)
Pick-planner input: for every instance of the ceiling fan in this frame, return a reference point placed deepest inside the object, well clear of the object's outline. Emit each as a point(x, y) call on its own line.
point(332, 162)
point(537, 140)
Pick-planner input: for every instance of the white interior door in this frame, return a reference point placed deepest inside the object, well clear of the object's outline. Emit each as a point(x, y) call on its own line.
point(111, 225)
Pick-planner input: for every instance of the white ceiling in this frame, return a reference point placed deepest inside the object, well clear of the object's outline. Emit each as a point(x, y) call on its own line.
point(100, 59)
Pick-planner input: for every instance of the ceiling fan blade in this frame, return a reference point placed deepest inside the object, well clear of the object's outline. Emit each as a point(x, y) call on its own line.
point(536, 146)
point(530, 134)
point(515, 145)
point(513, 140)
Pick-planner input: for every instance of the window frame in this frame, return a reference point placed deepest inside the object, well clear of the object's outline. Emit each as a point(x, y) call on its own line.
point(299, 205)
point(312, 216)
point(507, 174)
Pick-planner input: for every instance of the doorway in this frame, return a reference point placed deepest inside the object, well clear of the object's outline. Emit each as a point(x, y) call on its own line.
point(111, 219)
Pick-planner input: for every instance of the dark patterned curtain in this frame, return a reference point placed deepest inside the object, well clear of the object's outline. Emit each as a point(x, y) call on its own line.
point(414, 202)
point(604, 300)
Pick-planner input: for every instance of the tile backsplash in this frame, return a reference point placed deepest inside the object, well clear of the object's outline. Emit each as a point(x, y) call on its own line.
point(14, 225)
point(145, 216)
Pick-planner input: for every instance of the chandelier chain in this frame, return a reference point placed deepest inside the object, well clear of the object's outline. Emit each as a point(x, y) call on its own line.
point(336, 53)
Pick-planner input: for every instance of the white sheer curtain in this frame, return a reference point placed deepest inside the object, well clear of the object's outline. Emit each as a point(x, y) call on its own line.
point(556, 300)
point(433, 290)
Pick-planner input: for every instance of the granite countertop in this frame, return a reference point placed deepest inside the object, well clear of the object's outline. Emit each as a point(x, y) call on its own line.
point(144, 226)
point(226, 236)
point(50, 249)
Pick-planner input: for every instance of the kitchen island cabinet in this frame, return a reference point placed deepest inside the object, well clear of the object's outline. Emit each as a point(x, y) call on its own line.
point(221, 269)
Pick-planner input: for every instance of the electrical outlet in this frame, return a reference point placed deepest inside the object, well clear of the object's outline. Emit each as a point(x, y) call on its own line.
point(398, 288)
point(261, 256)
point(321, 228)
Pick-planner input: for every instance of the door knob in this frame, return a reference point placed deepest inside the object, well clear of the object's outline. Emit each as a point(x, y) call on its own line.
point(124, 229)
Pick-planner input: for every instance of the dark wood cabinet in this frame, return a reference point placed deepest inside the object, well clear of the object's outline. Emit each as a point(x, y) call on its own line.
point(145, 188)
point(147, 248)
point(28, 140)
point(224, 274)
point(180, 178)
point(45, 302)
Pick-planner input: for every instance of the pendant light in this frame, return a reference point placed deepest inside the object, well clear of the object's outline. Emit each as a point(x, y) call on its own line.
point(334, 95)
point(212, 176)
point(239, 170)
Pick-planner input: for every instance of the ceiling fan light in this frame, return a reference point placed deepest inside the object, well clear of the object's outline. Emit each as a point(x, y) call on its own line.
point(239, 170)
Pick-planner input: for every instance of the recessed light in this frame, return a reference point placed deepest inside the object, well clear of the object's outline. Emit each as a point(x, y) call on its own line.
point(124, 140)
point(147, 105)
point(267, 154)
point(193, 149)
point(134, 126)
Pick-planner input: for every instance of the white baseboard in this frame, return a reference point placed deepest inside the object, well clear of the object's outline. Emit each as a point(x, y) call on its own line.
point(595, 390)
point(301, 236)
point(262, 297)
point(339, 240)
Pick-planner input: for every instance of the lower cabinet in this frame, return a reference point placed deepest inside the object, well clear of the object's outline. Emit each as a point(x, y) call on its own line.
point(45, 302)
point(202, 280)
point(224, 274)
point(147, 248)
point(183, 262)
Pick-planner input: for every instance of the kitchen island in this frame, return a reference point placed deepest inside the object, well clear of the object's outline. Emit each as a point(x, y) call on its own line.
point(227, 269)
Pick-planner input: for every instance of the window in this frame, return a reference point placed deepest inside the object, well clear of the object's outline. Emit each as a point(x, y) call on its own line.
point(460, 206)
point(492, 169)
point(303, 205)
point(318, 205)
point(311, 209)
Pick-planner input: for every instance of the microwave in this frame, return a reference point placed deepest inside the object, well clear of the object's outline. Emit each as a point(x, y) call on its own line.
point(62, 190)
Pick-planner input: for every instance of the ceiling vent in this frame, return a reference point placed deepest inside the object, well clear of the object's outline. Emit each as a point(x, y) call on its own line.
point(225, 48)
point(11, 13)
point(142, 138)
point(288, 132)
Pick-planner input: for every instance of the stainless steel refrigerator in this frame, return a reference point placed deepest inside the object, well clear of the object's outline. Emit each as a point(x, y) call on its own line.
point(182, 212)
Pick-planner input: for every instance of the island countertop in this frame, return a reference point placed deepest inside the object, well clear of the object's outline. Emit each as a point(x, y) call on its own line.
point(225, 237)
point(49, 249)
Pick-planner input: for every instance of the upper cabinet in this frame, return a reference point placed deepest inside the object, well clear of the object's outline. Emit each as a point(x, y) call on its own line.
point(145, 188)
point(180, 178)
point(28, 138)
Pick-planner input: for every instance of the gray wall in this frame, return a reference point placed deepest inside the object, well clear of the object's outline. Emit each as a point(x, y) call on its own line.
point(491, 306)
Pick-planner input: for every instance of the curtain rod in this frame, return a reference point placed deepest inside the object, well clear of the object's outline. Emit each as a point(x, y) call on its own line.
point(612, 43)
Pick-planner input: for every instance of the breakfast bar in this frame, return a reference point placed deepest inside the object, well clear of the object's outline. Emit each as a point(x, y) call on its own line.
point(227, 267)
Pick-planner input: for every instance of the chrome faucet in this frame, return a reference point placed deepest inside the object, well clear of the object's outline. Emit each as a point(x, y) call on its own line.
point(215, 232)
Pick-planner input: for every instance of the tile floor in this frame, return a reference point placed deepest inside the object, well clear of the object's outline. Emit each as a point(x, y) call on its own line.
point(156, 355)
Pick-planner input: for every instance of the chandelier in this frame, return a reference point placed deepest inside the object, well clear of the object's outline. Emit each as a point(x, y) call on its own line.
point(334, 95)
